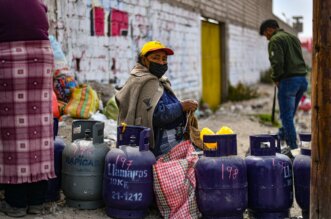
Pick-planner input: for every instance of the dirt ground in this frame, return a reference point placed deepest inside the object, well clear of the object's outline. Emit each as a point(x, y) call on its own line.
point(238, 116)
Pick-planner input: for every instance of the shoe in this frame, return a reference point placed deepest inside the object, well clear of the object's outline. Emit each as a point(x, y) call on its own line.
point(287, 151)
point(12, 211)
point(36, 209)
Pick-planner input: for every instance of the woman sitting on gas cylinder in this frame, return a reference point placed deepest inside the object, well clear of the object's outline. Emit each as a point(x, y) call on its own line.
point(147, 99)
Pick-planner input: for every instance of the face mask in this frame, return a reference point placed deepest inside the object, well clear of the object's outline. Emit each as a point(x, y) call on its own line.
point(157, 69)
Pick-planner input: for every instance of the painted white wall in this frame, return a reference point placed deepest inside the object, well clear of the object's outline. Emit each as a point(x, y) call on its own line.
point(180, 29)
point(175, 27)
point(248, 55)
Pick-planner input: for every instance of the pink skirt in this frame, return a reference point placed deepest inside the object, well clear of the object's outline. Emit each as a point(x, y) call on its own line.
point(26, 120)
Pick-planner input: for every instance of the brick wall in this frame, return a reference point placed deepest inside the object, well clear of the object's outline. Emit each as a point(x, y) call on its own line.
point(176, 23)
point(180, 29)
point(105, 58)
point(247, 13)
point(248, 56)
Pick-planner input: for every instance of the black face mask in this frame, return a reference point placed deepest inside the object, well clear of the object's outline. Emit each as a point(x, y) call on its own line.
point(157, 69)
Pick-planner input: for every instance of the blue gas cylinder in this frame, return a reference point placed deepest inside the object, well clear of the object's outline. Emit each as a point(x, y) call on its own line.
point(270, 184)
point(82, 165)
point(128, 175)
point(221, 179)
point(54, 185)
point(301, 172)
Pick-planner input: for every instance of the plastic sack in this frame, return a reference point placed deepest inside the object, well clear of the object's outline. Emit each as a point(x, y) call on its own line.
point(63, 84)
point(305, 104)
point(192, 131)
point(61, 106)
point(175, 183)
point(111, 109)
point(60, 61)
point(83, 103)
point(99, 117)
point(55, 106)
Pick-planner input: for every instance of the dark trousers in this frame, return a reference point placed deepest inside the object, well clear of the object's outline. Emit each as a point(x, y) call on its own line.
point(23, 195)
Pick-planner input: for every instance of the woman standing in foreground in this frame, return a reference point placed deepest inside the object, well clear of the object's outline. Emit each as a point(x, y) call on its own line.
point(26, 121)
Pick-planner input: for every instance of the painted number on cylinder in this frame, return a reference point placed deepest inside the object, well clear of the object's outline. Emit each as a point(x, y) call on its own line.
point(229, 172)
point(286, 170)
point(127, 196)
point(123, 162)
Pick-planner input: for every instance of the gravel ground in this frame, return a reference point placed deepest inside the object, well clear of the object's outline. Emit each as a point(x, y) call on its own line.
point(239, 116)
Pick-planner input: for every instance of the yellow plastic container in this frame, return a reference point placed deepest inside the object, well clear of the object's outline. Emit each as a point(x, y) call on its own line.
point(207, 131)
point(224, 130)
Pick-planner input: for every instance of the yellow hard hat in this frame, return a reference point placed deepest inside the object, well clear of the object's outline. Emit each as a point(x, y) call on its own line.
point(154, 46)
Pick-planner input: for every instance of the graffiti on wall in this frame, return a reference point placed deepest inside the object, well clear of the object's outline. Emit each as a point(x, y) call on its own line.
point(116, 24)
point(97, 21)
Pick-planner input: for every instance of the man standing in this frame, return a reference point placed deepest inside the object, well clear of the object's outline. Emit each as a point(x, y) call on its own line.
point(289, 74)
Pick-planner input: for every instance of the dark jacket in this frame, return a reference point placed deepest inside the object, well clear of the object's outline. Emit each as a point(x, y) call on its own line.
point(285, 56)
point(168, 114)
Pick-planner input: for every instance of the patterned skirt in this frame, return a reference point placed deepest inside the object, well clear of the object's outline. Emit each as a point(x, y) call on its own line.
point(26, 120)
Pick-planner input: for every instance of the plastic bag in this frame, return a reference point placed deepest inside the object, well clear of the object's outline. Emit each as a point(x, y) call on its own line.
point(175, 183)
point(111, 109)
point(83, 103)
point(192, 131)
point(55, 106)
point(63, 85)
point(60, 61)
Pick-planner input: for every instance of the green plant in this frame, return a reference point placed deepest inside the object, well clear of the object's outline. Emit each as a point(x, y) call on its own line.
point(266, 119)
point(242, 92)
point(265, 76)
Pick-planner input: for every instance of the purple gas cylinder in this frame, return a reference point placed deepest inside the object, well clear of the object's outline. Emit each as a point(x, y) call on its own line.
point(128, 175)
point(301, 172)
point(54, 185)
point(270, 184)
point(221, 179)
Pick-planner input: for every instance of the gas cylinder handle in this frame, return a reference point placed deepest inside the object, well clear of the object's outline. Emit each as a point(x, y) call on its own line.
point(277, 142)
point(97, 134)
point(226, 145)
point(87, 134)
point(305, 140)
point(144, 134)
point(79, 127)
point(262, 145)
point(210, 152)
point(265, 144)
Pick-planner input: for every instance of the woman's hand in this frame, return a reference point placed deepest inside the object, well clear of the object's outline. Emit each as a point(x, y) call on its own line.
point(189, 105)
